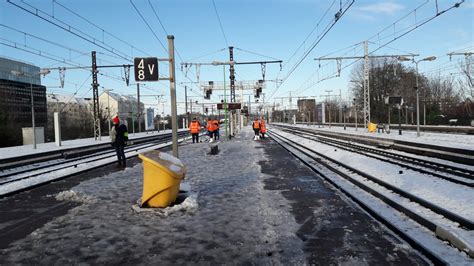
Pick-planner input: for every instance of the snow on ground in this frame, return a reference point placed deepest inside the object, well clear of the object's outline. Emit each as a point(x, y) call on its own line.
point(15, 151)
point(73, 168)
point(233, 219)
point(450, 140)
point(454, 197)
point(417, 232)
point(107, 228)
point(450, 196)
point(462, 141)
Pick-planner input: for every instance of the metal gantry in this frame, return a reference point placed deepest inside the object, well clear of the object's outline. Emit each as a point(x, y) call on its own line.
point(231, 64)
point(366, 57)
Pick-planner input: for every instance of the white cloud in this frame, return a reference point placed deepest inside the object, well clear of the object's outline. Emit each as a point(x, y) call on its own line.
point(386, 8)
point(363, 16)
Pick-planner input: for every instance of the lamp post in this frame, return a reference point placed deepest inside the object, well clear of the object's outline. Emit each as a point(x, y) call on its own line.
point(329, 109)
point(43, 72)
point(217, 63)
point(162, 115)
point(399, 106)
point(131, 112)
point(355, 106)
point(431, 58)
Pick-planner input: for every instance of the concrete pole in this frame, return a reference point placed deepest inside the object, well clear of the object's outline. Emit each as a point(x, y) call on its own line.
point(186, 105)
point(424, 107)
point(225, 109)
point(399, 119)
point(406, 114)
point(108, 110)
point(33, 116)
point(417, 103)
point(57, 129)
point(174, 122)
point(241, 105)
point(138, 109)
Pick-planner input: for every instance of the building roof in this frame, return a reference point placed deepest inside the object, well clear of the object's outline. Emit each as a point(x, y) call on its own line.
point(112, 95)
point(117, 97)
point(66, 98)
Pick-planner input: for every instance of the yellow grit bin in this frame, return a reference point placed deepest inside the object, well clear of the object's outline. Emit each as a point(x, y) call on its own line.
point(162, 175)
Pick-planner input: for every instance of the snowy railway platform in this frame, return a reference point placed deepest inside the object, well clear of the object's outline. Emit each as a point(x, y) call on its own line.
point(252, 203)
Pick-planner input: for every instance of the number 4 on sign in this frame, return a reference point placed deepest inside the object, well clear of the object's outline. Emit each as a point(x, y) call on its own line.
point(150, 67)
point(146, 69)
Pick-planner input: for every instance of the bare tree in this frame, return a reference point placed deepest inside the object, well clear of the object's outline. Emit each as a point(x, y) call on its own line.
point(387, 78)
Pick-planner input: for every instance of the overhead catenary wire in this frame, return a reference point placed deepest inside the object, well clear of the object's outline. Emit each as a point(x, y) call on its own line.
point(55, 58)
point(250, 52)
point(302, 88)
point(410, 29)
point(58, 59)
point(314, 44)
point(164, 29)
point(208, 54)
point(79, 52)
point(220, 23)
point(98, 27)
point(74, 94)
point(176, 50)
point(310, 33)
point(148, 25)
point(35, 52)
point(377, 35)
point(50, 56)
point(68, 28)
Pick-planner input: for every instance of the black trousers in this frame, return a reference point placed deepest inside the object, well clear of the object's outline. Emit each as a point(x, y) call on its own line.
point(120, 154)
point(256, 131)
point(195, 137)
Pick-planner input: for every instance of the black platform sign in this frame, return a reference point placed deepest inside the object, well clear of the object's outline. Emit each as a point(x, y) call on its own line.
point(230, 106)
point(146, 68)
point(394, 100)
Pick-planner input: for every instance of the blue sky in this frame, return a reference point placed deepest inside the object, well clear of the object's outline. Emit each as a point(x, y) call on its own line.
point(259, 30)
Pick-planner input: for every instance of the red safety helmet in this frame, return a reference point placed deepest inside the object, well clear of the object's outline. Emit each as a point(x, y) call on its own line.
point(116, 120)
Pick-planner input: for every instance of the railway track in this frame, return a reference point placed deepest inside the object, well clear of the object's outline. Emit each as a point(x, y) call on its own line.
point(441, 170)
point(457, 155)
point(416, 218)
point(37, 158)
point(22, 177)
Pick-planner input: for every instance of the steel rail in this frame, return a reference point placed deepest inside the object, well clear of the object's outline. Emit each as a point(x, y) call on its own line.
point(464, 222)
point(367, 152)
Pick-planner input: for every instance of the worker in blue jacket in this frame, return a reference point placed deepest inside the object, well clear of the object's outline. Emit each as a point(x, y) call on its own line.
point(119, 137)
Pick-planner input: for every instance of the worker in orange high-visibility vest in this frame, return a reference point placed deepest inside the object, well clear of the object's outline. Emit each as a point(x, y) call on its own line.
point(256, 128)
point(263, 128)
point(210, 129)
point(216, 128)
point(195, 128)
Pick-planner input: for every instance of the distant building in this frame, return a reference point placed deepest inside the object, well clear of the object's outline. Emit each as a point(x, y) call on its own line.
point(120, 105)
point(15, 100)
point(75, 114)
point(285, 116)
point(321, 113)
point(307, 110)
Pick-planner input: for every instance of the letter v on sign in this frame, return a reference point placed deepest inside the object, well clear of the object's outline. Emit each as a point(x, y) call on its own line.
point(146, 68)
